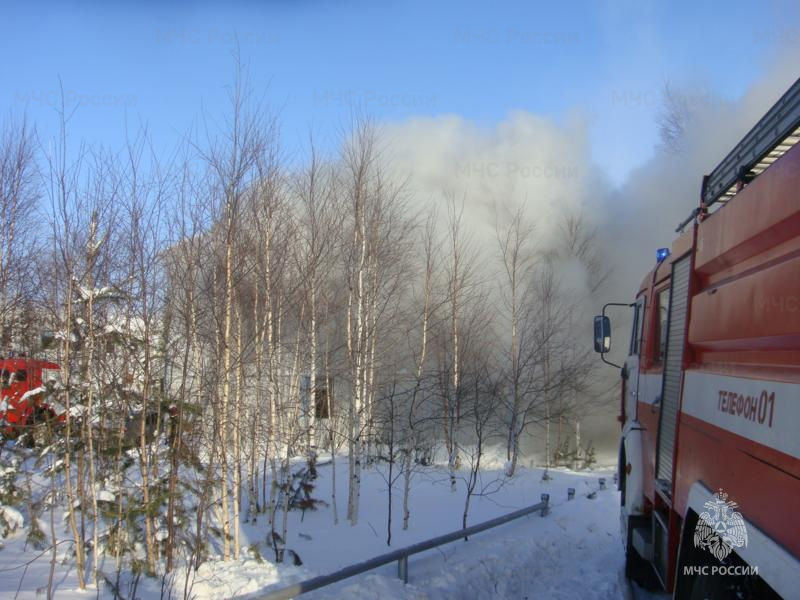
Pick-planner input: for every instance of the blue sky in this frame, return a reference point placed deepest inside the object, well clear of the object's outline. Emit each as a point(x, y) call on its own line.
point(604, 62)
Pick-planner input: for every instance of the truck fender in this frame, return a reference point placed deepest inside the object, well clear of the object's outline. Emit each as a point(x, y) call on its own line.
point(774, 564)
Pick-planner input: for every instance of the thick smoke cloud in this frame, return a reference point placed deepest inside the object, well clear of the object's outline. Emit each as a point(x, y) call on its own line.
point(644, 212)
point(523, 159)
point(549, 167)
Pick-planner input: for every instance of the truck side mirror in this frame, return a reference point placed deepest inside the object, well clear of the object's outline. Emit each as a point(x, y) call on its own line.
point(602, 334)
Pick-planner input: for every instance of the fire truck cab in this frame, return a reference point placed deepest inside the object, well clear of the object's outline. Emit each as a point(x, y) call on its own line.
point(709, 458)
point(22, 382)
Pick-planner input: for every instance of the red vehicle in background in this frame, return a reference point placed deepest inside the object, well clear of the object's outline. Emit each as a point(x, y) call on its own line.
point(22, 403)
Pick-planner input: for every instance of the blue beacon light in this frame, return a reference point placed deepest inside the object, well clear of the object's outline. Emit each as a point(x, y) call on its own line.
point(661, 254)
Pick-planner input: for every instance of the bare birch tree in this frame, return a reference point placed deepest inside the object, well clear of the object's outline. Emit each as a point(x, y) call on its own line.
point(19, 192)
point(460, 274)
point(517, 257)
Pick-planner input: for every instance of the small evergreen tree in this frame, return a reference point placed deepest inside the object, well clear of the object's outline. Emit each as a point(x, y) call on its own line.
point(589, 458)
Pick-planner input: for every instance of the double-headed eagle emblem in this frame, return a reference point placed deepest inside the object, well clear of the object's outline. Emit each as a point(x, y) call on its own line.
point(720, 529)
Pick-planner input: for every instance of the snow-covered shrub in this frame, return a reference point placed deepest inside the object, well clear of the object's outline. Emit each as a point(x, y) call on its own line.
point(36, 535)
point(10, 521)
point(302, 485)
point(10, 493)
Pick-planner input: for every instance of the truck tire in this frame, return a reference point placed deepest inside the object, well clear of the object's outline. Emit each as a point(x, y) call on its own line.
point(715, 586)
point(708, 587)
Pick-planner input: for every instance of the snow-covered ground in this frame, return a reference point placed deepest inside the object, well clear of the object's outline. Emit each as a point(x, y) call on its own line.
point(573, 552)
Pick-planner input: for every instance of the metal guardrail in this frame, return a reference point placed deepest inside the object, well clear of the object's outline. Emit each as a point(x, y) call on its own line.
point(400, 555)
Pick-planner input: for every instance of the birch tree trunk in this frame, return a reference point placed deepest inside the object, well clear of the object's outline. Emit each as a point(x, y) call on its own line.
point(226, 387)
point(80, 560)
point(257, 415)
point(429, 244)
point(359, 373)
point(91, 252)
point(237, 438)
point(331, 433)
point(62, 195)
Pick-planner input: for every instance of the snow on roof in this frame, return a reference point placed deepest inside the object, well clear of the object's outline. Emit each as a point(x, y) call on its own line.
point(126, 326)
point(103, 293)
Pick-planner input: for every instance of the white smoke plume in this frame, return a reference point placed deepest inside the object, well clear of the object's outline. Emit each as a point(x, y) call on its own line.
point(644, 212)
point(549, 167)
point(523, 159)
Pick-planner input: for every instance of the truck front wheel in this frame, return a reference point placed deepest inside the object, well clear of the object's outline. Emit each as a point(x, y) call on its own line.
point(638, 568)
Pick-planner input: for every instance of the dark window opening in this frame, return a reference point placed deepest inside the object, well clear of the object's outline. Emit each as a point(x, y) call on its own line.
point(21, 375)
point(323, 401)
point(661, 324)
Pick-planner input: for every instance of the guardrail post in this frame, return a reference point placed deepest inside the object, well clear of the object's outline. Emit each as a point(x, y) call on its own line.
point(545, 501)
point(602, 483)
point(570, 493)
point(402, 568)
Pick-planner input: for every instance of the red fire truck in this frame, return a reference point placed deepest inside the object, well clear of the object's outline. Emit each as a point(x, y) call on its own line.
point(23, 381)
point(709, 460)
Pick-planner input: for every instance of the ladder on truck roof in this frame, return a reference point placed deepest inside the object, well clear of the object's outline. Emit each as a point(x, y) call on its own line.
point(774, 134)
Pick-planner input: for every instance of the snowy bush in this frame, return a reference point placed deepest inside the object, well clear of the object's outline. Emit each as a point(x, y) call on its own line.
point(11, 520)
point(10, 493)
